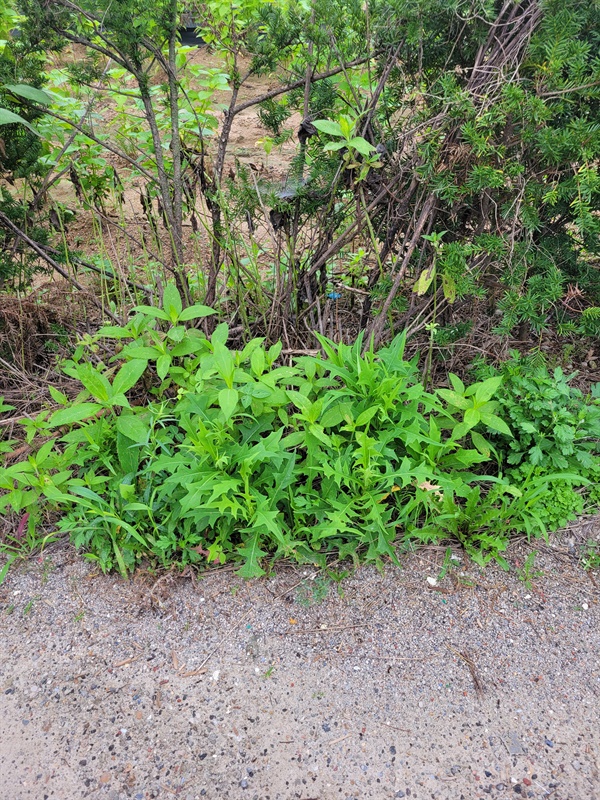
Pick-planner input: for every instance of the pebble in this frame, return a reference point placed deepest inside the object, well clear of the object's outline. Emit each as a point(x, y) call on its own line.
point(400, 794)
point(517, 788)
point(244, 784)
point(326, 727)
point(549, 743)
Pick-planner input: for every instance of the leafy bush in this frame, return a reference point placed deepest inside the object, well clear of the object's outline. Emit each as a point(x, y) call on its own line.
point(235, 456)
point(555, 428)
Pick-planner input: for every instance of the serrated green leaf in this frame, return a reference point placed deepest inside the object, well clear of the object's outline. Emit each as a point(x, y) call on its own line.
point(251, 553)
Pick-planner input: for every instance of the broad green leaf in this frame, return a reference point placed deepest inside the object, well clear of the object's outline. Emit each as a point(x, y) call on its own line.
point(367, 415)
point(162, 366)
point(318, 432)
point(346, 126)
point(487, 389)
point(133, 427)
point(424, 281)
point(457, 384)
point(332, 147)
point(228, 400)
point(8, 117)
point(29, 93)
point(129, 454)
point(495, 423)
point(360, 144)
point(176, 333)
point(94, 381)
point(481, 444)
point(172, 304)
point(454, 399)
point(334, 415)
point(68, 416)
point(153, 312)
point(220, 334)
point(195, 312)
point(472, 417)
point(58, 396)
point(257, 361)
point(328, 126)
point(43, 453)
point(299, 400)
point(129, 375)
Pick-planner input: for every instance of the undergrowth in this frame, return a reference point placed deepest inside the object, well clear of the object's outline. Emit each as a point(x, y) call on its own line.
point(180, 450)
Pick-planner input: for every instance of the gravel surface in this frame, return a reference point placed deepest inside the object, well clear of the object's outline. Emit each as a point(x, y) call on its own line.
point(403, 684)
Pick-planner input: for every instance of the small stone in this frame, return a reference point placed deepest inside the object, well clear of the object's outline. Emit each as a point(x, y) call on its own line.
point(393, 750)
point(585, 606)
point(104, 778)
point(487, 773)
point(244, 784)
point(549, 743)
point(326, 727)
point(400, 793)
point(83, 762)
point(9, 691)
point(576, 765)
point(517, 788)
point(500, 787)
point(455, 769)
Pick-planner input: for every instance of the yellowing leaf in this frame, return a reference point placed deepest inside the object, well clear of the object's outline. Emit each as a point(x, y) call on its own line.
point(424, 281)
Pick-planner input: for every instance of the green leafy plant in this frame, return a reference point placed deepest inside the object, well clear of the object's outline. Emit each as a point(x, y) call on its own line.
point(527, 573)
point(181, 450)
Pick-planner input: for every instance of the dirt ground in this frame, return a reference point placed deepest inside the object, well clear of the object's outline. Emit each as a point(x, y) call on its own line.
point(402, 684)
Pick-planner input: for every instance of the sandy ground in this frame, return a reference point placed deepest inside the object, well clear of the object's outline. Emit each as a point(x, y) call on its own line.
point(385, 686)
